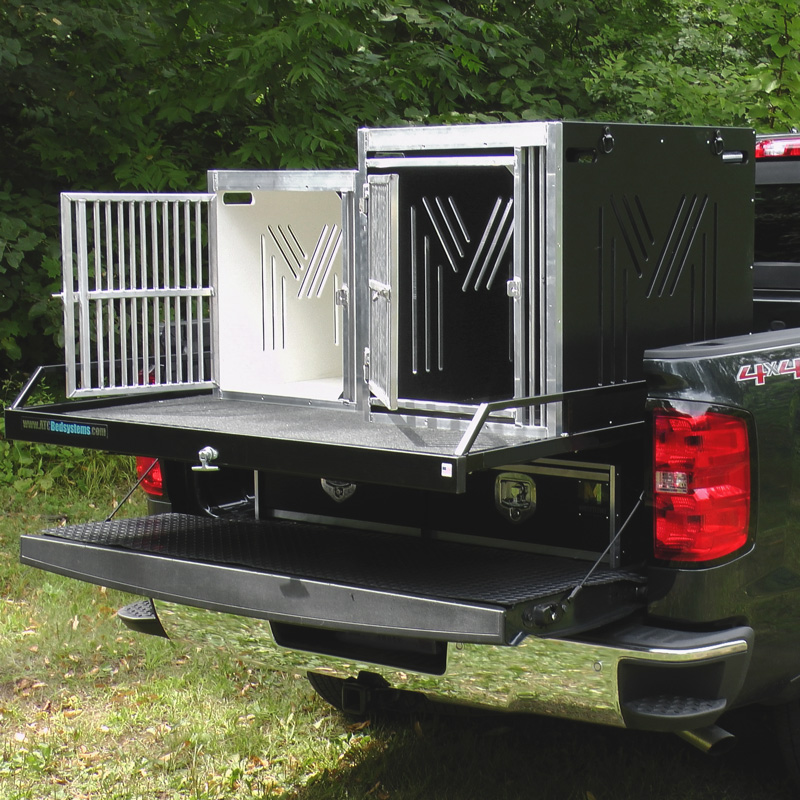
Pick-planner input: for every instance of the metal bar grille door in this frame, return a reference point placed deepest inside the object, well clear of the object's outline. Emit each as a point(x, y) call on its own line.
point(381, 360)
point(136, 291)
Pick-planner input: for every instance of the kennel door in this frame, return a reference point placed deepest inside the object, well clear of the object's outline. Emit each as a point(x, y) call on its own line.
point(136, 292)
point(381, 358)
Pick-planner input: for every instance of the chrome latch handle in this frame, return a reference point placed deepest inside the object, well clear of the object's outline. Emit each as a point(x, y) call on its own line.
point(206, 456)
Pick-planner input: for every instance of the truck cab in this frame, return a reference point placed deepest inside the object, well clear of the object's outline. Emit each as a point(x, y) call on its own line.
point(776, 270)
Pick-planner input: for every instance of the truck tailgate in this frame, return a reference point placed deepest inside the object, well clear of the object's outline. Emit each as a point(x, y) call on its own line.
point(342, 579)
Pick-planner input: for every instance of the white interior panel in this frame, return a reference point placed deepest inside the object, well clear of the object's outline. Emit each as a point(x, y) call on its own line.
point(279, 267)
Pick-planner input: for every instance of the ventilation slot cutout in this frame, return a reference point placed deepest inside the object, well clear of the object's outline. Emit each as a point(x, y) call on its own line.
point(237, 198)
point(581, 155)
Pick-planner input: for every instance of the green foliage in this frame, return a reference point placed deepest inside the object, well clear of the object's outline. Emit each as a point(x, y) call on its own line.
point(29, 273)
point(716, 63)
point(28, 470)
point(148, 95)
point(773, 36)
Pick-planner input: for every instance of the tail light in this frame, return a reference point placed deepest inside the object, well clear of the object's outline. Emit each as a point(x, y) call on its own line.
point(153, 481)
point(702, 485)
point(779, 147)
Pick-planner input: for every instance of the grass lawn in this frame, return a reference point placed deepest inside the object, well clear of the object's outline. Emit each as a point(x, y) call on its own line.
point(90, 710)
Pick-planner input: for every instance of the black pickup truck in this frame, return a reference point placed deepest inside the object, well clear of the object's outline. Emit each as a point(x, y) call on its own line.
point(487, 419)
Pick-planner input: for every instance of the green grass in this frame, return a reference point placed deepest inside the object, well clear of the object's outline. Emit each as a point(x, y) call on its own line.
point(90, 710)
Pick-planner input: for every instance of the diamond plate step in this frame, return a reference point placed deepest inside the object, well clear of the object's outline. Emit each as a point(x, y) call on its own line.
point(663, 705)
point(141, 616)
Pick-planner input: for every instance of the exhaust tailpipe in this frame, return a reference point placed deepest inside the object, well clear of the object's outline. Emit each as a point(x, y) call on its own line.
point(711, 740)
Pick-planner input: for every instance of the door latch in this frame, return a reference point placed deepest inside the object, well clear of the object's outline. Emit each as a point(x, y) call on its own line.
point(515, 496)
point(341, 297)
point(514, 288)
point(378, 289)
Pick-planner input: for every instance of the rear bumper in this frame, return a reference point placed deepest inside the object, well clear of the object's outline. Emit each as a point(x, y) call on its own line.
point(633, 676)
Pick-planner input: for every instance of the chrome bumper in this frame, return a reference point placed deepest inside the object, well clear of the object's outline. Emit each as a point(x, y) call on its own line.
point(608, 681)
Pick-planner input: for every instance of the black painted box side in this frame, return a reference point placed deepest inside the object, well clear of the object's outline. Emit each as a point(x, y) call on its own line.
point(657, 243)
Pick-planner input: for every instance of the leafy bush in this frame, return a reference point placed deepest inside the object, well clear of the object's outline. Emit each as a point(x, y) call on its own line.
point(28, 469)
point(149, 95)
point(29, 275)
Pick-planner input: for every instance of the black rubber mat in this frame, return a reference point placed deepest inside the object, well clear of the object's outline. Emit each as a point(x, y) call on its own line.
point(384, 562)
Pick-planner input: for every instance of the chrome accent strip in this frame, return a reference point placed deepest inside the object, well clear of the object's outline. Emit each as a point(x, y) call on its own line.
point(454, 137)
point(286, 400)
point(282, 180)
point(130, 197)
point(427, 302)
point(522, 320)
point(789, 298)
point(414, 291)
point(387, 162)
point(551, 220)
point(134, 294)
point(130, 389)
point(440, 234)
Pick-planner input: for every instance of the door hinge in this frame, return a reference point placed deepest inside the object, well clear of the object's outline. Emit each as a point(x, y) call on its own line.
point(363, 201)
point(514, 288)
point(342, 296)
point(366, 365)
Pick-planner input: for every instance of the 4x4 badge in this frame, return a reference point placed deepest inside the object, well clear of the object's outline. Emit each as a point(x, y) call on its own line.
point(772, 369)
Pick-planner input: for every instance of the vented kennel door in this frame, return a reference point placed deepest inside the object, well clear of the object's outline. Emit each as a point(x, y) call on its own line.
point(454, 261)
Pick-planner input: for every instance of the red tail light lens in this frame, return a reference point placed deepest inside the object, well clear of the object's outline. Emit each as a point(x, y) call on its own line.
point(778, 148)
point(153, 482)
point(702, 485)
